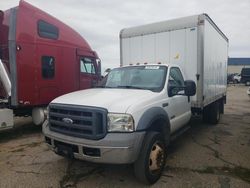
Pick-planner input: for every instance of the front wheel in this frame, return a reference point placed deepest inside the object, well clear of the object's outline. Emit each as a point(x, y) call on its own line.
point(152, 158)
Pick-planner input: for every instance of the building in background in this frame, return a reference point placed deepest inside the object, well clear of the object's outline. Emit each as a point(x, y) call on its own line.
point(236, 64)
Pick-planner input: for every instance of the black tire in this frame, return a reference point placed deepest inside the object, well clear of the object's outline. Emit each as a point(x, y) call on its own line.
point(151, 156)
point(206, 114)
point(222, 106)
point(215, 113)
point(211, 113)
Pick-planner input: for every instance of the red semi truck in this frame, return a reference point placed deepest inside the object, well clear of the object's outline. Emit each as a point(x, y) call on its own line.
point(41, 58)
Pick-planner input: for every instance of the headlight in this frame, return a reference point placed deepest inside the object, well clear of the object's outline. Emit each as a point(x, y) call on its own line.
point(120, 123)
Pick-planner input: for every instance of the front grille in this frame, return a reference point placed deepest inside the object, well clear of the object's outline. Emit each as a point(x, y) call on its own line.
point(78, 121)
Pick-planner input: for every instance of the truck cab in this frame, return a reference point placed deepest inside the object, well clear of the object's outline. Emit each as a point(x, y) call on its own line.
point(133, 115)
point(41, 58)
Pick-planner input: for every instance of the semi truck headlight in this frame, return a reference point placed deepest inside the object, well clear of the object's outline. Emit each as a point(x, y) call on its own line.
point(120, 123)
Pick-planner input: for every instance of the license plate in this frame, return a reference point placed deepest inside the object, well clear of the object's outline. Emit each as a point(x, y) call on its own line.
point(65, 151)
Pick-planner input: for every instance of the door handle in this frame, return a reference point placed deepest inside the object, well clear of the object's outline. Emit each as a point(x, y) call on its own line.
point(172, 117)
point(164, 104)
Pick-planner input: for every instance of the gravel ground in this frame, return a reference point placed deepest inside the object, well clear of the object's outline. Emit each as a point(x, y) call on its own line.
point(204, 156)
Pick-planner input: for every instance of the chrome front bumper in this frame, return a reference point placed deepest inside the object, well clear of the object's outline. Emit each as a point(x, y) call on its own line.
point(114, 148)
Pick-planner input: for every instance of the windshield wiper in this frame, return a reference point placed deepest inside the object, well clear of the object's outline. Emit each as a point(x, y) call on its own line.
point(103, 86)
point(130, 87)
point(99, 86)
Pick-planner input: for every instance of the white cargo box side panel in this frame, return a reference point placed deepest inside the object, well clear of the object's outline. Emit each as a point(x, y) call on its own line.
point(190, 65)
point(151, 48)
point(172, 47)
point(148, 49)
point(215, 64)
point(177, 47)
point(183, 52)
point(135, 49)
point(125, 51)
point(162, 47)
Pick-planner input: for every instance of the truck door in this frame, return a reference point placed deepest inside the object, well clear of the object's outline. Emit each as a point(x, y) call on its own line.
point(46, 73)
point(179, 109)
point(88, 72)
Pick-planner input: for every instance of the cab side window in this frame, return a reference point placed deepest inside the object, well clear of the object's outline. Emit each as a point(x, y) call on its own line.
point(47, 30)
point(88, 66)
point(175, 80)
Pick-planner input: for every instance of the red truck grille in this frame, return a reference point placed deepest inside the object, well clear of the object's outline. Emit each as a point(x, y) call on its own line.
point(78, 121)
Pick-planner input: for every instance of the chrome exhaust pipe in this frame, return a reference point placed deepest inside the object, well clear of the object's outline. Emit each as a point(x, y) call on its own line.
point(5, 79)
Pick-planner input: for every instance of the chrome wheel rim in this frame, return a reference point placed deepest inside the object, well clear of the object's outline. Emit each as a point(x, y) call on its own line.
point(156, 158)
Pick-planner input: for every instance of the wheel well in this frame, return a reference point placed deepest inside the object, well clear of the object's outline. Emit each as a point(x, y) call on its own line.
point(162, 126)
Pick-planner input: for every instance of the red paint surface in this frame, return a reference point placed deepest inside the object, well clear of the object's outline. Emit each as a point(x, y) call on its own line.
point(32, 89)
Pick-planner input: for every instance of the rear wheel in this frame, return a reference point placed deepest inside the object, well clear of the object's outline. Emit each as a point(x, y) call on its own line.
point(221, 106)
point(211, 113)
point(215, 113)
point(152, 158)
point(206, 114)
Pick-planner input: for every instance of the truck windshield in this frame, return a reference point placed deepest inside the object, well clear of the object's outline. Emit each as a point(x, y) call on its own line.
point(149, 77)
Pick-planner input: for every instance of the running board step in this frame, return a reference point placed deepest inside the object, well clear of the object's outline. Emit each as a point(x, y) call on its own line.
point(179, 133)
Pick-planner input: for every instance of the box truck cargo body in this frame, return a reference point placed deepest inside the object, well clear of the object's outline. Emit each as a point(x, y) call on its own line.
point(194, 43)
point(148, 101)
point(40, 58)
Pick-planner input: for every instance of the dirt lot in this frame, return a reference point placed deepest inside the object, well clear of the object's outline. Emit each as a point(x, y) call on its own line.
point(205, 156)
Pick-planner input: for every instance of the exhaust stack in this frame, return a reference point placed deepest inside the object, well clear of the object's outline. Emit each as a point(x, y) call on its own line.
point(4, 78)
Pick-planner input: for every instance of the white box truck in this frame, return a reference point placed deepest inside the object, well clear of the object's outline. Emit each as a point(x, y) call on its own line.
point(147, 101)
point(194, 43)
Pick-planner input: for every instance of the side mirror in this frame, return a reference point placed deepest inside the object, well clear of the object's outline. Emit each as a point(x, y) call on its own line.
point(98, 63)
point(171, 93)
point(190, 88)
point(106, 72)
point(175, 90)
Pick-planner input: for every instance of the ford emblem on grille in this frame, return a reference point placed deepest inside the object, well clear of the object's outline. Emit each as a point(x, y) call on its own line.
point(67, 120)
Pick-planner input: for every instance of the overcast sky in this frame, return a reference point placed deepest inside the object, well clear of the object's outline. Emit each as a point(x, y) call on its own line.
point(100, 22)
